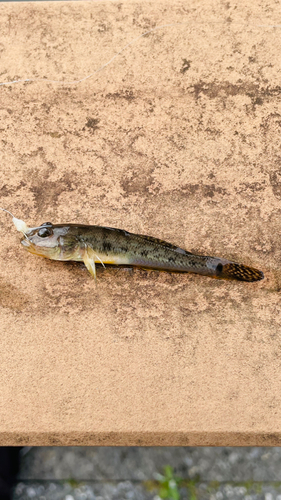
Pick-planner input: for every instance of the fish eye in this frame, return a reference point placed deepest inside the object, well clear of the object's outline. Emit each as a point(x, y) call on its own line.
point(219, 268)
point(49, 224)
point(44, 232)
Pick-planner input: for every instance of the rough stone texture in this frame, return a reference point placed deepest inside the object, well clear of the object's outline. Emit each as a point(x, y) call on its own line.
point(105, 473)
point(178, 138)
point(240, 465)
point(129, 491)
point(68, 491)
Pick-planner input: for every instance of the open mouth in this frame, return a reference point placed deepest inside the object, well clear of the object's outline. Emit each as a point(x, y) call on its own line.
point(25, 242)
point(30, 247)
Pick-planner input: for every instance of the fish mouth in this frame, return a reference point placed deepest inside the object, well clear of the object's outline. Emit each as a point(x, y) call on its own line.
point(26, 243)
point(29, 246)
point(49, 253)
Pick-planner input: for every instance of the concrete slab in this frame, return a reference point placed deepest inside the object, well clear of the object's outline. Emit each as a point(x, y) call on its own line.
point(178, 138)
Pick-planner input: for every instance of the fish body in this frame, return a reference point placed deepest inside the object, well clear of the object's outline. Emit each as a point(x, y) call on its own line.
point(104, 245)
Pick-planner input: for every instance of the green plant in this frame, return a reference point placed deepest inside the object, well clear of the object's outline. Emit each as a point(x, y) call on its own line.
point(73, 483)
point(169, 488)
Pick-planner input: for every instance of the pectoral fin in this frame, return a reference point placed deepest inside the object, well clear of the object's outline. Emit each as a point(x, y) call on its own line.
point(89, 261)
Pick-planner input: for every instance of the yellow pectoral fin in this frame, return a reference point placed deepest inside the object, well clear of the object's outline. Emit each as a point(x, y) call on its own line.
point(89, 261)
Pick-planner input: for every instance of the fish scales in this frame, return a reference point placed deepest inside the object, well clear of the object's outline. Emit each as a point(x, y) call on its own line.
point(104, 245)
point(118, 245)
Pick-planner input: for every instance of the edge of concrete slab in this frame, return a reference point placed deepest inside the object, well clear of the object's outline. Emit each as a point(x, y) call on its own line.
point(139, 439)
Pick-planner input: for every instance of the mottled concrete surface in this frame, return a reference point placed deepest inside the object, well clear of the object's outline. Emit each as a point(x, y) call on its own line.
point(111, 464)
point(178, 138)
point(78, 473)
point(131, 491)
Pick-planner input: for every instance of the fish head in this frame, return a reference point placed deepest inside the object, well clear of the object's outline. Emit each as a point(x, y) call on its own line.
point(46, 241)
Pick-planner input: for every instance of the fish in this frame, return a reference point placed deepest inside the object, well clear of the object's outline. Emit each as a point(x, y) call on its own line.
point(105, 245)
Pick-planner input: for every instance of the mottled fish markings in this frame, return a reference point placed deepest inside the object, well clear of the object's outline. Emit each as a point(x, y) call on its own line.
point(106, 245)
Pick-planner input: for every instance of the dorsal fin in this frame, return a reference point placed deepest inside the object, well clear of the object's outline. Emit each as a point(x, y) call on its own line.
point(163, 243)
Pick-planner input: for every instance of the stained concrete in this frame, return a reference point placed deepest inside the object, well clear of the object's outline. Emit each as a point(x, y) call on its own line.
point(178, 138)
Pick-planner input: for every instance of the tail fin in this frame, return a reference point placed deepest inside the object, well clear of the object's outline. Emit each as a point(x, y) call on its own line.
point(239, 272)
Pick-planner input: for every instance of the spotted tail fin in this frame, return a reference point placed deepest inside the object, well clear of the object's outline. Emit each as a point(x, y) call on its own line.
point(240, 272)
